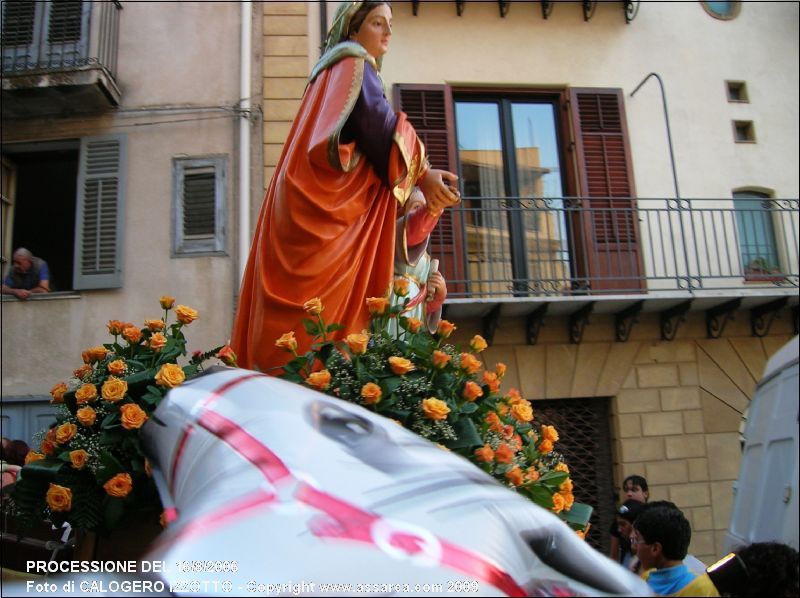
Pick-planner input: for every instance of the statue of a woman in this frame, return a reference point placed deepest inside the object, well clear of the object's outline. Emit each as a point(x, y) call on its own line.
point(327, 225)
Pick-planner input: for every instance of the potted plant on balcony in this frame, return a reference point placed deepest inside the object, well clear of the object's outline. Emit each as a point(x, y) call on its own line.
point(760, 269)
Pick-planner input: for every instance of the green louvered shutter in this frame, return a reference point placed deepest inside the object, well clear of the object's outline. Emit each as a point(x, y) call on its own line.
point(98, 226)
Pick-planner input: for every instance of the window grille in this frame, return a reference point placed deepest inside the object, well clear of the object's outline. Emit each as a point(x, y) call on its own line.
point(199, 201)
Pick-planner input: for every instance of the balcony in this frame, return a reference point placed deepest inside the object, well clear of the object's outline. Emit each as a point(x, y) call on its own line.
point(514, 256)
point(59, 57)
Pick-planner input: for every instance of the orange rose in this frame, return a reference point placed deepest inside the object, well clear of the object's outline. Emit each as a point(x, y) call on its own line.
point(472, 391)
point(445, 328)
point(569, 500)
point(132, 416)
point(154, 325)
point(514, 475)
point(400, 287)
point(114, 389)
point(562, 467)
point(33, 456)
point(320, 380)
point(522, 412)
point(400, 365)
point(513, 397)
point(413, 325)
point(65, 433)
point(478, 343)
point(515, 442)
point(558, 503)
point(581, 533)
point(86, 416)
point(157, 342)
point(58, 392)
point(545, 446)
point(494, 422)
point(377, 305)
point(531, 475)
point(132, 334)
point(469, 363)
point(550, 433)
point(117, 367)
point(313, 306)
point(500, 369)
point(435, 409)
point(490, 379)
point(119, 486)
point(94, 354)
point(185, 314)
point(502, 409)
point(227, 356)
point(485, 454)
point(82, 371)
point(371, 393)
point(565, 487)
point(170, 375)
point(48, 447)
point(287, 341)
point(78, 458)
point(115, 327)
point(440, 359)
point(504, 454)
point(59, 498)
point(357, 343)
point(166, 302)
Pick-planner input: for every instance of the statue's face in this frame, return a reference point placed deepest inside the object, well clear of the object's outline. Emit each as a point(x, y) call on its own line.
point(376, 31)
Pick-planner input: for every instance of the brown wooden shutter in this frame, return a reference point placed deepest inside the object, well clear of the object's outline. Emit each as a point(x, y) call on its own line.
point(430, 109)
point(606, 229)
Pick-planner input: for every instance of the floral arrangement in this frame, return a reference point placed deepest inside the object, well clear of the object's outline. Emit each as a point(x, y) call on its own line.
point(90, 469)
point(439, 392)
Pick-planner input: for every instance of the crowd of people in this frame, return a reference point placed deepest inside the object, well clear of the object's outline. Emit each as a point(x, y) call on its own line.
point(652, 540)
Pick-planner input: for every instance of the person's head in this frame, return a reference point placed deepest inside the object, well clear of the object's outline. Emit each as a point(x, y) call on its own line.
point(14, 451)
point(661, 534)
point(635, 488)
point(23, 260)
point(760, 569)
point(371, 26)
point(626, 515)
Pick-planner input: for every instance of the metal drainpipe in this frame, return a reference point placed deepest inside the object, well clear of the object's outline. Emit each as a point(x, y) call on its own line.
point(244, 136)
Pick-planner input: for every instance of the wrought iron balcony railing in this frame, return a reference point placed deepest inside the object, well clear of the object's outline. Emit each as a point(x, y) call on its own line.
point(56, 36)
point(521, 246)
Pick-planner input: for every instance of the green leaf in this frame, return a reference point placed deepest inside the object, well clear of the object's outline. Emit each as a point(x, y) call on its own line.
point(390, 384)
point(554, 478)
point(468, 408)
point(109, 466)
point(334, 327)
point(42, 470)
point(540, 495)
point(466, 435)
point(113, 511)
point(312, 328)
point(579, 514)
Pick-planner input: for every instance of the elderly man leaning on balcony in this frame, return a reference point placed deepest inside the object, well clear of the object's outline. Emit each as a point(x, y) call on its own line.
point(27, 275)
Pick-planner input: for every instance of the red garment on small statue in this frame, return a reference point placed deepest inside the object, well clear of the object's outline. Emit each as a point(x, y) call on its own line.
point(327, 225)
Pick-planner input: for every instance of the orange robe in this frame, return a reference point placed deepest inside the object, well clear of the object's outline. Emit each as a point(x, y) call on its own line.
point(327, 225)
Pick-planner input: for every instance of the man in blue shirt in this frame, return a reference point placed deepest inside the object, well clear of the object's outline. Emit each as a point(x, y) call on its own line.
point(28, 275)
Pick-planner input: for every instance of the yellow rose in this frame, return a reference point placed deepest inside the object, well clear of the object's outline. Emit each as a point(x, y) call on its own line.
point(400, 365)
point(371, 393)
point(377, 305)
point(170, 375)
point(313, 306)
point(65, 433)
point(117, 367)
point(558, 503)
point(185, 315)
point(562, 467)
point(82, 371)
point(78, 458)
point(435, 409)
point(119, 486)
point(287, 341)
point(59, 498)
point(478, 343)
point(522, 411)
point(166, 302)
point(33, 456)
point(413, 325)
point(565, 487)
point(132, 416)
point(500, 369)
point(440, 359)
point(472, 391)
point(86, 416)
point(158, 341)
point(132, 334)
point(154, 325)
point(357, 343)
point(550, 433)
point(445, 328)
point(320, 380)
point(569, 500)
point(114, 389)
point(400, 287)
point(86, 393)
point(469, 363)
point(58, 392)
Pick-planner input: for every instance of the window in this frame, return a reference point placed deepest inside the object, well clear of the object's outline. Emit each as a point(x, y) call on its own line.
point(754, 224)
point(723, 10)
point(743, 131)
point(76, 186)
point(199, 205)
point(737, 91)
